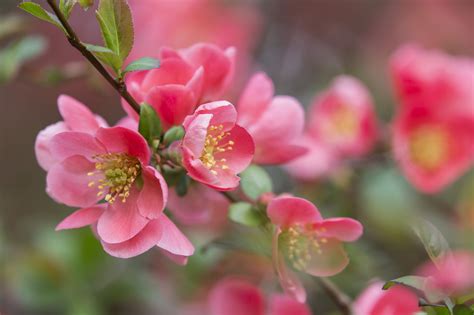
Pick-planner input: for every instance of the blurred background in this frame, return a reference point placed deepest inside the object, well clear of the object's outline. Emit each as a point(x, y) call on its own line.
point(302, 45)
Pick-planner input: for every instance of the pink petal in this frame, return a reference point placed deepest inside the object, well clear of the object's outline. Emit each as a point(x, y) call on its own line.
point(278, 154)
point(239, 158)
point(177, 259)
point(196, 132)
point(255, 99)
point(343, 229)
point(397, 300)
point(67, 182)
point(128, 122)
point(328, 260)
point(171, 71)
point(121, 221)
point(365, 302)
point(153, 195)
point(172, 239)
point(281, 304)
point(76, 115)
point(286, 211)
point(42, 144)
point(223, 113)
point(70, 143)
point(234, 296)
point(123, 140)
point(140, 243)
point(82, 217)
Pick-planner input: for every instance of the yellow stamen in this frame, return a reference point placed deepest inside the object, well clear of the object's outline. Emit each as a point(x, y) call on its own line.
point(214, 145)
point(428, 146)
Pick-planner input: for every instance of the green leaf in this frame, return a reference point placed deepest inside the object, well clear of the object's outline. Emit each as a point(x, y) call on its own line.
point(37, 11)
point(244, 213)
point(255, 181)
point(85, 4)
point(149, 124)
point(434, 242)
point(15, 55)
point(105, 55)
point(145, 63)
point(173, 134)
point(116, 26)
point(66, 7)
point(462, 309)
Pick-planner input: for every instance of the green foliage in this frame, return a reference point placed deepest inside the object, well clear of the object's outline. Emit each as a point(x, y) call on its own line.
point(115, 20)
point(462, 309)
point(244, 213)
point(175, 133)
point(15, 55)
point(434, 242)
point(182, 185)
point(145, 63)
point(255, 181)
point(66, 7)
point(37, 11)
point(106, 56)
point(149, 124)
point(85, 4)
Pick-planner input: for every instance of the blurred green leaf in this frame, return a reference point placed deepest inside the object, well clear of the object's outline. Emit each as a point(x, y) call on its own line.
point(116, 26)
point(149, 124)
point(37, 11)
point(10, 24)
point(434, 242)
point(173, 134)
point(145, 63)
point(107, 56)
point(182, 185)
point(255, 181)
point(66, 7)
point(462, 309)
point(15, 55)
point(85, 4)
point(244, 213)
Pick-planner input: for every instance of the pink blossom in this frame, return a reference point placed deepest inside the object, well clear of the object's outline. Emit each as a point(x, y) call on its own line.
point(275, 122)
point(311, 243)
point(343, 117)
point(453, 274)
point(397, 300)
point(215, 149)
point(432, 149)
point(76, 117)
point(113, 165)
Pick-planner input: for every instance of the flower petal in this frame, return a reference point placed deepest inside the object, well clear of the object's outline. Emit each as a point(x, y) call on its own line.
point(81, 218)
point(285, 211)
point(172, 239)
point(76, 115)
point(329, 259)
point(255, 99)
point(69, 143)
point(239, 158)
point(281, 304)
point(343, 229)
point(154, 194)
point(42, 144)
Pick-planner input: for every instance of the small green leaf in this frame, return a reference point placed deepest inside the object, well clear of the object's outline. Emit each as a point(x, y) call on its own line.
point(116, 26)
point(462, 309)
point(255, 181)
point(66, 7)
point(85, 4)
point(175, 133)
point(107, 56)
point(37, 11)
point(145, 63)
point(149, 124)
point(244, 213)
point(434, 242)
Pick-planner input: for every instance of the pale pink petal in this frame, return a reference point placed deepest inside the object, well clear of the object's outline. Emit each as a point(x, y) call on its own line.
point(70, 143)
point(281, 304)
point(196, 132)
point(128, 122)
point(366, 301)
point(255, 99)
point(153, 195)
point(42, 144)
point(140, 243)
point(343, 229)
point(82, 217)
point(241, 154)
point(76, 115)
point(327, 260)
point(286, 211)
point(223, 113)
point(172, 239)
point(67, 182)
point(267, 153)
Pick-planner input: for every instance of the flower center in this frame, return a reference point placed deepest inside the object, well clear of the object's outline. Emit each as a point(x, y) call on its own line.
point(119, 171)
point(342, 123)
point(303, 243)
point(428, 147)
point(214, 145)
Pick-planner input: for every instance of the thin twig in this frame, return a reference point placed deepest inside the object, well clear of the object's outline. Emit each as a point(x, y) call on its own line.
point(342, 301)
point(74, 40)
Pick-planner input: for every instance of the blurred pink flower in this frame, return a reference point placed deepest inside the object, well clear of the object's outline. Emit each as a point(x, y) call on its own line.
point(76, 117)
point(343, 118)
point(215, 149)
point(275, 122)
point(397, 300)
point(312, 244)
point(453, 275)
point(236, 296)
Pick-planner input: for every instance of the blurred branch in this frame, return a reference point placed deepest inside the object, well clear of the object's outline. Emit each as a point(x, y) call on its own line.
point(74, 40)
point(342, 301)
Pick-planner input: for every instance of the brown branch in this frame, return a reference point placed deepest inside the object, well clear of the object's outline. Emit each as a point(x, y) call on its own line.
point(342, 301)
point(74, 40)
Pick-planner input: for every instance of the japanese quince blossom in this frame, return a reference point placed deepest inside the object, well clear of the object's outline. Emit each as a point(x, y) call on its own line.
point(76, 117)
point(215, 149)
point(275, 122)
point(453, 275)
point(432, 131)
point(236, 296)
point(311, 244)
point(397, 300)
point(113, 165)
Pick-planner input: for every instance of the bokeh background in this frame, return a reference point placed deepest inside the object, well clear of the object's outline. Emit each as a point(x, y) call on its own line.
point(302, 45)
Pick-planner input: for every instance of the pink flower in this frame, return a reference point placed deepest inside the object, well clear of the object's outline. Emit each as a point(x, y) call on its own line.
point(113, 165)
point(173, 90)
point(235, 296)
point(343, 118)
point(397, 300)
point(311, 243)
point(215, 149)
point(453, 275)
point(275, 123)
point(432, 149)
point(76, 117)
